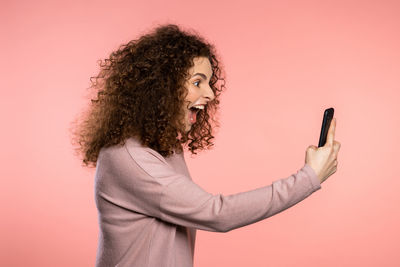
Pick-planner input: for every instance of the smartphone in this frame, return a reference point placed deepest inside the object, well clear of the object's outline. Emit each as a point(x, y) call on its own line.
point(326, 122)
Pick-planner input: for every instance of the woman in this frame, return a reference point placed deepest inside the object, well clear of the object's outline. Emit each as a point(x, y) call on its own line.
point(155, 94)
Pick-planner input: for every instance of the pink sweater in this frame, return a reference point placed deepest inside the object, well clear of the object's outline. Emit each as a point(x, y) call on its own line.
point(149, 208)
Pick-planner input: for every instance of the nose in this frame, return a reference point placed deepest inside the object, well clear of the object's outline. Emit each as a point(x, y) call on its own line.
point(209, 93)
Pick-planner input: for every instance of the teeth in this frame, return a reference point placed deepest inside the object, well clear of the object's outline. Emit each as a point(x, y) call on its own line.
point(199, 107)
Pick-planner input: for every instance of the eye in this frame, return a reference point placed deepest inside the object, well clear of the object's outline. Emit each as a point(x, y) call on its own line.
point(196, 82)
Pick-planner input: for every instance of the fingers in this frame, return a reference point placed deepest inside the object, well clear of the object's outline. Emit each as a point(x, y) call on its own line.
point(312, 147)
point(331, 132)
point(336, 146)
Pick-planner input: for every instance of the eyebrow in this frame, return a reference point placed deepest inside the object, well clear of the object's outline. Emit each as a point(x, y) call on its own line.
point(201, 74)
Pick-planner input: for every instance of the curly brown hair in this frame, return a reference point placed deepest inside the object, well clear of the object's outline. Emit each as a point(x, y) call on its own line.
point(140, 92)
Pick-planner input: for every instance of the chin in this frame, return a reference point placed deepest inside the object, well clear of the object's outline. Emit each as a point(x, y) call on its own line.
point(188, 127)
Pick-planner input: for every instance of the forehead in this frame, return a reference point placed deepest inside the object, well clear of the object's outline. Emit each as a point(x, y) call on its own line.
point(202, 65)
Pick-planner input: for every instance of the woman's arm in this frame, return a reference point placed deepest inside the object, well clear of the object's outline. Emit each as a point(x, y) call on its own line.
point(184, 203)
point(137, 180)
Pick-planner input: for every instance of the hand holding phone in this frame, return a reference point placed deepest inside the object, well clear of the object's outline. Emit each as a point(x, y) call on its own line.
point(323, 159)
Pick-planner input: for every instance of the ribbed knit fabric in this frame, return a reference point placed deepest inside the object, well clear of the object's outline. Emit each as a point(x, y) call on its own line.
point(149, 208)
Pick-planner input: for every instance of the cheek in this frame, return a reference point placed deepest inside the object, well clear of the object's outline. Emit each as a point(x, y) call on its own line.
point(192, 94)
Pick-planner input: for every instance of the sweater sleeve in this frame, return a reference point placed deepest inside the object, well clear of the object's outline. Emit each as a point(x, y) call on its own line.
point(185, 203)
point(143, 182)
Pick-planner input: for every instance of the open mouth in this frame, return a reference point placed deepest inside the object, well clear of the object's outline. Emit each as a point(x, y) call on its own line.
point(192, 115)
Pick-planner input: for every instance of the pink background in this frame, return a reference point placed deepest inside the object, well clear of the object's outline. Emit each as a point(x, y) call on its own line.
point(286, 61)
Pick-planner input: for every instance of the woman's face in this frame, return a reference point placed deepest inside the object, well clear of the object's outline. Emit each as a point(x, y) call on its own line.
point(199, 90)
